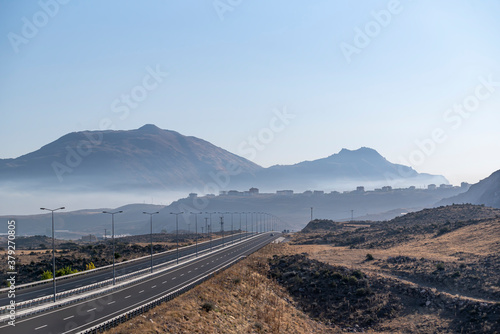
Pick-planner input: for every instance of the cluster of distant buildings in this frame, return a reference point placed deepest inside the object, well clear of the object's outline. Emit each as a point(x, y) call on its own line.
point(361, 189)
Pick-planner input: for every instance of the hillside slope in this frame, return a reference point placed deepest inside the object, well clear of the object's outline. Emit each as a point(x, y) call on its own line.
point(485, 192)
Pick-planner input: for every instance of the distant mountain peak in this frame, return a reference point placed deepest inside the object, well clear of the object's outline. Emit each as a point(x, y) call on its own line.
point(361, 150)
point(149, 128)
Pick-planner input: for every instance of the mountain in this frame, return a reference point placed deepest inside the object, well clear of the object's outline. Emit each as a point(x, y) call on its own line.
point(150, 158)
point(146, 157)
point(344, 171)
point(485, 192)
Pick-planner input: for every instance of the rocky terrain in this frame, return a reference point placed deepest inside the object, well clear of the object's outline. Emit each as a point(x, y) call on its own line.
point(356, 302)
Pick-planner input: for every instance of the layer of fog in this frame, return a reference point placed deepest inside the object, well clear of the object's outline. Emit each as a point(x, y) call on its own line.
point(29, 202)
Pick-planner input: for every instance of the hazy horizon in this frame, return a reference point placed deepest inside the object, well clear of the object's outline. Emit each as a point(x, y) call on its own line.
point(277, 83)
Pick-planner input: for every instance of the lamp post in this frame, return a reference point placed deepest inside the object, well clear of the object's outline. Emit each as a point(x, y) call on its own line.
point(257, 222)
point(53, 250)
point(196, 228)
point(210, 226)
point(251, 223)
point(232, 228)
point(210, 235)
point(177, 230)
point(240, 224)
point(151, 224)
point(206, 230)
point(246, 224)
point(232, 225)
point(222, 228)
point(113, 238)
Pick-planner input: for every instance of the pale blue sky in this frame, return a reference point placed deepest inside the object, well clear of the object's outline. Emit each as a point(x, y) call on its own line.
point(227, 76)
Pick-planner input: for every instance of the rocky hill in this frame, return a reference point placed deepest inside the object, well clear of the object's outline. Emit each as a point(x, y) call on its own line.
point(317, 225)
point(485, 192)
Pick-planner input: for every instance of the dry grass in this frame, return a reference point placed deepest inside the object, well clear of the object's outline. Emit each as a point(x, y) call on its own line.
point(244, 301)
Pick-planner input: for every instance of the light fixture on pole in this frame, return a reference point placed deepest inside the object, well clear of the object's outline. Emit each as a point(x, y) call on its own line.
point(240, 224)
point(151, 234)
point(113, 238)
point(53, 250)
point(177, 228)
point(246, 224)
point(196, 228)
point(222, 228)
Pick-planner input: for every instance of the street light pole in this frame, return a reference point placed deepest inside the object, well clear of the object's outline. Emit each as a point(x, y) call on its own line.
point(232, 225)
point(246, 225)
point(177, 232)
point(251, 223)
point(53, 250)
point(196, 228)
point(113, 238)
point(222, 228)
point(240, 224)
point(232, 228)
point(151, 224)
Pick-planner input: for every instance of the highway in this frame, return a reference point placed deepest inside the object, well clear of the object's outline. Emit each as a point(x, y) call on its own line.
point(83, 315)
point(104, 274)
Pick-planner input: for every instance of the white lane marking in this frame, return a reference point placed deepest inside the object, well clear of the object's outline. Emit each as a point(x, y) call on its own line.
point(128, 296)
point(189, 272)
point(114, 301)
point(141, 291)
point(174, 278)
point(92, 309)
point(182, 275)
point(40, 327)
point(71, 316)
point(154, 286)
point(163, 282)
